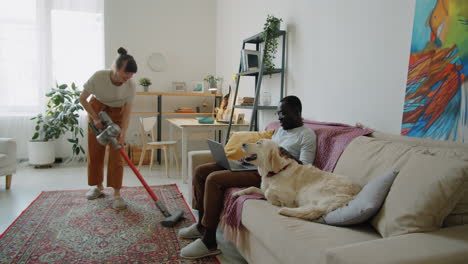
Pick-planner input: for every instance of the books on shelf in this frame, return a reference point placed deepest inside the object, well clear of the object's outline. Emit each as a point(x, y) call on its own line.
point(184, 110)
point(246, 101)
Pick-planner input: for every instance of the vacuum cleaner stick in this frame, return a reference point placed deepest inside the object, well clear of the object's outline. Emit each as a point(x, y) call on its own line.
point(109, 134)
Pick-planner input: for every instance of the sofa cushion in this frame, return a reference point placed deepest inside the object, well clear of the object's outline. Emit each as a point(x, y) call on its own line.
point(293, 240)
point(233, 148)
point(365, 205)
point(368, 157)
point(425, 191)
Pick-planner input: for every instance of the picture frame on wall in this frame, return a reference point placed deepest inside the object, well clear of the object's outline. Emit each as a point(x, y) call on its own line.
point(251, 59)
point(198, 87)
point(178, 87)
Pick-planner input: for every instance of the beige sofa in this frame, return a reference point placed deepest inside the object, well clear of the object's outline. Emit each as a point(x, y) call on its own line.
point(267, 237)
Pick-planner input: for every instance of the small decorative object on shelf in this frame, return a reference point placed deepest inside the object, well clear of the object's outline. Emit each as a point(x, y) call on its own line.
point(212, 83)
point(251, 60)
point(197, 87)
point(178, 87)
point(240, 119)
point(145, 82)
point(270, 32)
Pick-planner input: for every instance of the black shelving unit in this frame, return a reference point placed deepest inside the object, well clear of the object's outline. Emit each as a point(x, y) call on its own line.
point(258, 74)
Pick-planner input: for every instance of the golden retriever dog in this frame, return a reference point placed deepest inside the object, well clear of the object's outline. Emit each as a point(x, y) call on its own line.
point(303, 191)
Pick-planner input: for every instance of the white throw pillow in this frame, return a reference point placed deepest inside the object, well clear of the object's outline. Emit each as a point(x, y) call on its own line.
point(365, 205)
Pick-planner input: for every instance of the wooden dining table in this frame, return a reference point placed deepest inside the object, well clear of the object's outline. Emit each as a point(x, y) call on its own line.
point(190, 125)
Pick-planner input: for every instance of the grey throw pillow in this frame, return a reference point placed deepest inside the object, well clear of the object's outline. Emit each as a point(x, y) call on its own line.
point(364, 206)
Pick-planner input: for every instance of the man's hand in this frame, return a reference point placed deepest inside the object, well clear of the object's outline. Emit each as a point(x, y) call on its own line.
point(243, 162)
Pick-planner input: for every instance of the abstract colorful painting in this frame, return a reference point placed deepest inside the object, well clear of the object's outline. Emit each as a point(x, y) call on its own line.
point(436, 103)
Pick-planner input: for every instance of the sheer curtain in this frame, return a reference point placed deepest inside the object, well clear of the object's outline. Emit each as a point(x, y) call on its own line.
point(43, 42)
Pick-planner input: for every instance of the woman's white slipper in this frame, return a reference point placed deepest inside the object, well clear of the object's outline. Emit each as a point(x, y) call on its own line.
point(197, 249)
point(94, 193)
point(119, 203)
point(190, 232)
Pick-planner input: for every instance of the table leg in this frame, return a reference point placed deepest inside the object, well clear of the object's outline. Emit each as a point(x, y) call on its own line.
point(171, 137)
point(184, 155)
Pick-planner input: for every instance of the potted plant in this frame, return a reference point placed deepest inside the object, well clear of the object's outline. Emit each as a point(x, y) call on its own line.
point(270, 34)
point(61, 116)
point(212, 83)
point(145, 82)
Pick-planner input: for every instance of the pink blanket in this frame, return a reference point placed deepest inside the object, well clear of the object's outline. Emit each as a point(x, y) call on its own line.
point(332, 139)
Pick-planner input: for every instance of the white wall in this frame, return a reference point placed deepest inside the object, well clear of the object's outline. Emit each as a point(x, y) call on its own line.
point(346, 59)
point(183, 31)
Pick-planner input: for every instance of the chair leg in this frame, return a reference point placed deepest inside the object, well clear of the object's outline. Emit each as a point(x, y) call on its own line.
point(166, 161)
point(151, 158)
point(8, 181)
point(175, 156)
point(142, 155)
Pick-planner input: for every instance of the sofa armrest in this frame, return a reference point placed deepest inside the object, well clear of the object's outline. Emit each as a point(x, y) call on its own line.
point(196, 158)
point(8, 146)
point(446, 245)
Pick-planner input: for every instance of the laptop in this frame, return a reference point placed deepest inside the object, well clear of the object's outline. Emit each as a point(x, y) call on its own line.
point(217, 151)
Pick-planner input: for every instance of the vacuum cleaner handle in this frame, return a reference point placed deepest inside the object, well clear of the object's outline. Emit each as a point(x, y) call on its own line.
point(93, 127)
point(170, 220)
point(137, 173)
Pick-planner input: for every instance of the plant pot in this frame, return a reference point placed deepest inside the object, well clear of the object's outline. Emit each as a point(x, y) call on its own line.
point(145, 88)
point(41, 153)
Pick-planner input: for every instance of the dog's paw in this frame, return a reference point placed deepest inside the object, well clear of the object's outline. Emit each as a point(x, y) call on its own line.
point(284, 211)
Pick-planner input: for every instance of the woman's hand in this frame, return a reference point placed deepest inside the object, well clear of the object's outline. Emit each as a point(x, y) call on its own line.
point(121, 139)
point(98, 124)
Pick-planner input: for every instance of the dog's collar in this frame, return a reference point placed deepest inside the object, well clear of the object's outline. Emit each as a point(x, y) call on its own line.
point(270, 173)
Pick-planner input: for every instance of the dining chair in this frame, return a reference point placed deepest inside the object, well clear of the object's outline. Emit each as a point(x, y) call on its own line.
point(147, 125)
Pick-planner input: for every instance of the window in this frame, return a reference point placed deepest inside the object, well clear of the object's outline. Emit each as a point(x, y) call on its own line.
point(77, 46)
point(18, 57)
point(41, 45)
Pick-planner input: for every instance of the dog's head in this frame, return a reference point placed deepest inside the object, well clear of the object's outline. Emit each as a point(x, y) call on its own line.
point(267, 155)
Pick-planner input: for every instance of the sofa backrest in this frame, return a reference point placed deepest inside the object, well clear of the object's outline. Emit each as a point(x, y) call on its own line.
point(332, 139)
point(367, 157)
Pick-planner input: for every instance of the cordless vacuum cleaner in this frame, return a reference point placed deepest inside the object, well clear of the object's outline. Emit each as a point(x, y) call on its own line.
point(109, 134)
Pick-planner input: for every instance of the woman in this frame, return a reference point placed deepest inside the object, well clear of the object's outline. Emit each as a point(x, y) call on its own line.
point(112, 91)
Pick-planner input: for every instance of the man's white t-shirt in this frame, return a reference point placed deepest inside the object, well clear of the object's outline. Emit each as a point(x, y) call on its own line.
point(106, 92)
point(299, 141)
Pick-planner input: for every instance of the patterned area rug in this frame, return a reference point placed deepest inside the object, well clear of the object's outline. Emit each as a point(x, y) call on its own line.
point(64, 227)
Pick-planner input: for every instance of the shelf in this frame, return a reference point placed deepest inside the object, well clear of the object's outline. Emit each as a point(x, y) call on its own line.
point(169, 113)
point(256, 72)
point(179, 94)
point(258, 38)
point(259, 107)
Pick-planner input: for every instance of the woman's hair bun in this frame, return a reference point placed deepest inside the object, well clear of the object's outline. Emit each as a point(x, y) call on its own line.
point(122, 51)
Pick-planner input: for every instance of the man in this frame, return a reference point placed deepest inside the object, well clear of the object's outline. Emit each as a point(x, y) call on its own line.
point(211, 180)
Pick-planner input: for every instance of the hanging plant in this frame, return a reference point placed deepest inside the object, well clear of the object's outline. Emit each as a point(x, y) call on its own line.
point(270, 33)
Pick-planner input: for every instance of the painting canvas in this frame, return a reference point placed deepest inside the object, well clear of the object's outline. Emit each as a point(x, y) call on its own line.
point(436, 93)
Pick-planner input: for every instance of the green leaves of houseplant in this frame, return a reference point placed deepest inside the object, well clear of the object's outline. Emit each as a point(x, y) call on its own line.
point(270, 33)
point(61, 116)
